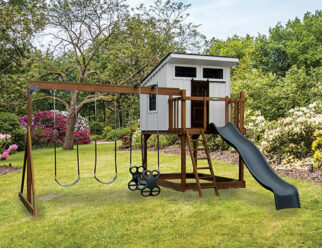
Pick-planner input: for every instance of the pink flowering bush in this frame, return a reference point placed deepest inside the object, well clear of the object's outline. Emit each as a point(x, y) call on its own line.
point(44, 131)
point(5, 148)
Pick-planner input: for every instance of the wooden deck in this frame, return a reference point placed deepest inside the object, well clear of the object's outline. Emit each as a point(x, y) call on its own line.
point(168, 180)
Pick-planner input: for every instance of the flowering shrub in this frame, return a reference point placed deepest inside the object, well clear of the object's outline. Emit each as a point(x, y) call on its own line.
point(317, 148)
point(292, 137)
point(83, 136)
point(255, 125)
point(126, 139)
point(5, 148)
point(44, 131)
point(81, 122)
point(9, 124)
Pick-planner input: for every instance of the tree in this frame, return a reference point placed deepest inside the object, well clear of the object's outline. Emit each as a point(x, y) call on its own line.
point(87, 31)
point(297, 43)
point(20, 22)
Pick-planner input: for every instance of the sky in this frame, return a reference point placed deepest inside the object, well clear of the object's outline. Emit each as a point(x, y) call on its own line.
point(224, 18)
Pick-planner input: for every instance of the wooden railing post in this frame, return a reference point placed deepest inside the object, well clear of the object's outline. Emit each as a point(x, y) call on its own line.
point(205, 114)
point(242, 112)
point(236, 114)
point(226, 110)
point(183, 110)
point(170, 113)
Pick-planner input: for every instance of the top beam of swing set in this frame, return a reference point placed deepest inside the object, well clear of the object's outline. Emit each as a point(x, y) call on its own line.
point(107, 88)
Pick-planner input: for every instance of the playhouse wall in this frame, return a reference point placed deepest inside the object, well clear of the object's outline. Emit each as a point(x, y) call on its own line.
point(221, 88)
point(165, 77)
point(158, 119)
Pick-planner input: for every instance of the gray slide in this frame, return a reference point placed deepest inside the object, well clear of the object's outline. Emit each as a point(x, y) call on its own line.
point(286, 195)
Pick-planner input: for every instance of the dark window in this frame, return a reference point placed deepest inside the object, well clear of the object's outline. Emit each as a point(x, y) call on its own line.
point(181, 71)
point(213, 73)
point(152, 102)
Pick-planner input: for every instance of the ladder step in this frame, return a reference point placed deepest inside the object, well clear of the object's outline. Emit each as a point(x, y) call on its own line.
point(206, 177)
point(200, 149)
point(203, 168)
point(202, 158)
point(197, 140)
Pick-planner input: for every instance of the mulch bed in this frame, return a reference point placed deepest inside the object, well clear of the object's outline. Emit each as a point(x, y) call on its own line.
point(4, 169)
point(232, 157)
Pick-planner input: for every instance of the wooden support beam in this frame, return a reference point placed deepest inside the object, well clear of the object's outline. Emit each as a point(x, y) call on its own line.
point(183, 159)
point(241, 169)
point(107, 88)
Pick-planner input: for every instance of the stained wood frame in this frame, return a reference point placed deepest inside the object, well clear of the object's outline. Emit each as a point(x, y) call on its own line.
point(234, 112)
point(29, 201)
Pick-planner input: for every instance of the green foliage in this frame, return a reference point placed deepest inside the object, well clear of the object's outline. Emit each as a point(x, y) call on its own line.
point(297, 43)
point(273, 96)
point(215, 142)
point(120, 132)
point(98, 126)
point(9, 125)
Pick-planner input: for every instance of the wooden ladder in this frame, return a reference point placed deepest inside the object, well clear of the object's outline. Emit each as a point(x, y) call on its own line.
point(194, 158)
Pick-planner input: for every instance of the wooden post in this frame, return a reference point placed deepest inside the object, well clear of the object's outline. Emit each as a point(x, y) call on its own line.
point(145, 150)
point(177, 111)
point(243, 131)
point(195, 151)
point(183, 111)
point(183, 160)
point(174, 114)
point(205, 114)
point(170, 113)
point(242, 113)
point(231, 110)
point(30, 203)
point(241, 169)
point(236, 114)
point(226, 110)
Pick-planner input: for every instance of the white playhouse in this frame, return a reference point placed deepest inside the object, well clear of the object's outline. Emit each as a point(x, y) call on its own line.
point(199, 75)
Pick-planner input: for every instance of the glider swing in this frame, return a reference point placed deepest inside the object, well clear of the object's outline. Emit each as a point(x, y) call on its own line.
point(149, 186)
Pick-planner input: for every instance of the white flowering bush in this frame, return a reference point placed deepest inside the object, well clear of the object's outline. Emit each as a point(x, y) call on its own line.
point(255, 125)
point(81, 123)
point(292, 137)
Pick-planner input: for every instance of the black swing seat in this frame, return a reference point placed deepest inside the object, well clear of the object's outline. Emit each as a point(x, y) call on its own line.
point(151, 188)
point(136, 183)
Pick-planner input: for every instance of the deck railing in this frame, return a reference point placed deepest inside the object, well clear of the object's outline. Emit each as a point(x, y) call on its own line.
point(234, 111)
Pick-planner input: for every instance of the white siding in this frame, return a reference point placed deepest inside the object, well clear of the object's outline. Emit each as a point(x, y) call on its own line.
point(165, 77)
point(148, 118)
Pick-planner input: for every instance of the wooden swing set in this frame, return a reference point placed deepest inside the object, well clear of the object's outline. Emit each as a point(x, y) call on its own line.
point(234, 112)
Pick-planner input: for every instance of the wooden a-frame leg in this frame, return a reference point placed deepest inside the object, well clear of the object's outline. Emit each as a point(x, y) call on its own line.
point(30, 203)
point(241, 169)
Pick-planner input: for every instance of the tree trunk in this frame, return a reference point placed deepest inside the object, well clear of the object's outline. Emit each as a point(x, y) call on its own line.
point(71, 122)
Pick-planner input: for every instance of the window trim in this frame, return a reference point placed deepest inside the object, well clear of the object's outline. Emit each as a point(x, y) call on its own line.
point(182, 65)
point(149, 101)
point(214, 67)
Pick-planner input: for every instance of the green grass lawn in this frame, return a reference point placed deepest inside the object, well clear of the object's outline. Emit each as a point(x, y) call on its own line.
point(94, 215)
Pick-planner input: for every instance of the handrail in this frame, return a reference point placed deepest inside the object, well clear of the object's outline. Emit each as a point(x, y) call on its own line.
point(234, 110)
